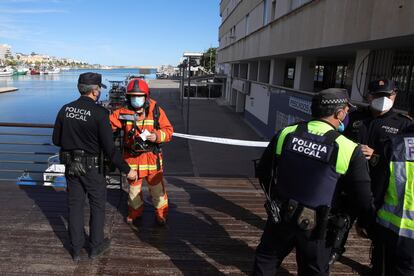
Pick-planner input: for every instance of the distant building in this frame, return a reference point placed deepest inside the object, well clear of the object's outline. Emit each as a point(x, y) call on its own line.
point(277, 53)
point(5, 51)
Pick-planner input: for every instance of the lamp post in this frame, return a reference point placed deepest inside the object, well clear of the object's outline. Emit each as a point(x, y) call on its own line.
point(189, 56)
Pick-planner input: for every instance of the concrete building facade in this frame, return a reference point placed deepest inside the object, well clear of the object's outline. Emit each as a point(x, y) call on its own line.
point(278, 53)
point(5, 51)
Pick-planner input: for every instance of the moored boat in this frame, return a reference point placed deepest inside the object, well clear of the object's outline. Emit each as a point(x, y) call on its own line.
point(53, 71)
point(6, 72)
point(34, 72)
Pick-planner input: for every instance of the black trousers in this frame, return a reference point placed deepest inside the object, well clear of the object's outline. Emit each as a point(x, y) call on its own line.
point(312, 256)
point(93, 185)
point(393, 255)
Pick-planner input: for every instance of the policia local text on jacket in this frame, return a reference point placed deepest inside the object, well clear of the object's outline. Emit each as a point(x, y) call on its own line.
point(307, 159)
point(82, 130)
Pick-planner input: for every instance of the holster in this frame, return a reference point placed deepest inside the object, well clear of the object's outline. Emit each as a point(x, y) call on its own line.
point(77, 162)
point(272, 208)
point(338, 226)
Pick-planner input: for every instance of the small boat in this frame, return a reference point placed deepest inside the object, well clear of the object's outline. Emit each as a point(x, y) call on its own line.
point(52, 71)
point(34, 72)
point(54, 175)
point(116, 95)
point(6, 72)
point(22, 71)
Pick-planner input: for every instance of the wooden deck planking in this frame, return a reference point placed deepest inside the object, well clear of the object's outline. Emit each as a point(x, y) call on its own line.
point(213, 228)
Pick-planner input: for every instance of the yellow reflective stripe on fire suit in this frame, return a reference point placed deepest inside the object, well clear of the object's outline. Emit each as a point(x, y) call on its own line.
point(142, 123)
point(144, 167)
point(163, 136)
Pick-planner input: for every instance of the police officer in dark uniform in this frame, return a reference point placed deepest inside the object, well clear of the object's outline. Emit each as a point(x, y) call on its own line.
point(373, 125)
point(299, 171)
point(395, 219)
point(82, 130)
point(370, 127)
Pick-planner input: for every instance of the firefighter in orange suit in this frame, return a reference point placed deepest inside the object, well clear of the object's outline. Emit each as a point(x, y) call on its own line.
point(145, 127)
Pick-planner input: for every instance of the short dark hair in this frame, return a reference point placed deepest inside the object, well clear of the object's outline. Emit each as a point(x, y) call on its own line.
point(322, 111)
point(85, 89)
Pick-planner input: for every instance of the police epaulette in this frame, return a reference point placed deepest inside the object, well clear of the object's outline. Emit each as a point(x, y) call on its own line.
point(405, 116)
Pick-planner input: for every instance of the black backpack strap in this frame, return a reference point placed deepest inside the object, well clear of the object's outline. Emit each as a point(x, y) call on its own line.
point(330, 137)
point(302, 128)
point(156, 116)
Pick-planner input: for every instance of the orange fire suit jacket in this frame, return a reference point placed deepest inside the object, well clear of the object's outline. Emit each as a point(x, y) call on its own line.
point(145, 163)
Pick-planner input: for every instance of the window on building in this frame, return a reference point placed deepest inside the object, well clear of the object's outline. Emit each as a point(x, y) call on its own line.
point(273, 16)
point(236, 70)
point(247, 24)
point(264, 71)
point(340, 76)
point(318, 73)
point(289, 73)
point(243, 69)
point(265, 12)
point(253, 70)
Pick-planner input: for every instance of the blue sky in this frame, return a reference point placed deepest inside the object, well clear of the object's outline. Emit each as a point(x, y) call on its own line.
point(110, 32)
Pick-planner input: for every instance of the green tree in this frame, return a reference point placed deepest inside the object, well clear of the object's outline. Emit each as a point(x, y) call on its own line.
point(208, 60)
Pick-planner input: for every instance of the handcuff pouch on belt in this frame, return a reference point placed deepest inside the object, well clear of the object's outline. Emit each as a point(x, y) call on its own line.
point(313, 221)
point(77, 162)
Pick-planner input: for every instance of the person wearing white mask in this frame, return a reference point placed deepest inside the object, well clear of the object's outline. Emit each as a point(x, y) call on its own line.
point(146, 127)
point(371, 127)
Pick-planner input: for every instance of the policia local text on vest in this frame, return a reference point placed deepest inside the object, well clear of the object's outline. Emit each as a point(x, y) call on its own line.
point(299, 171)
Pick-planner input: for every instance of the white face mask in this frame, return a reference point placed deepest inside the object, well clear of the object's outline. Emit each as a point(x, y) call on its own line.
point(137, 102)
point(382, 104)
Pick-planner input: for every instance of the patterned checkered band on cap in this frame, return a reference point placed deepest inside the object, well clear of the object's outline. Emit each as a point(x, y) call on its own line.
point(334, 101)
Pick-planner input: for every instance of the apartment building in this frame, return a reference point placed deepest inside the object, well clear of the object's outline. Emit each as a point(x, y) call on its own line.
point(5, 51)
point(278, 53)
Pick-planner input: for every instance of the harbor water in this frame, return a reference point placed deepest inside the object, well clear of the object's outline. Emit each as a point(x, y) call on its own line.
point(40, 97)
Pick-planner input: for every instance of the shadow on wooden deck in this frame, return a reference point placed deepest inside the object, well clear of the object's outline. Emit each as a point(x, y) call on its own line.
point(214, 226)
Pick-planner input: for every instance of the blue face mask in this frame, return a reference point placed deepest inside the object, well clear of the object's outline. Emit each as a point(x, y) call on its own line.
point(343, 124)
point(341, 127)
point(137, 102)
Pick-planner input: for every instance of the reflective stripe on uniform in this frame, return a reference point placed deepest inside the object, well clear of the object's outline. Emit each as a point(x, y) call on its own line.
point(401, 226)
point(144, 167)
point(127, 117)
point(142, 123)
point(162, 136)
point(397, 212)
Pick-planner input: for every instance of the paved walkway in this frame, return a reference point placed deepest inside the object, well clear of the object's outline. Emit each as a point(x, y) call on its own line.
point(216, 212)
point(209, 119)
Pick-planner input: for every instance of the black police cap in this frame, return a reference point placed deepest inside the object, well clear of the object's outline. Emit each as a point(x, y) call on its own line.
point(332, 96)
point(91, 79)
point(382, 86)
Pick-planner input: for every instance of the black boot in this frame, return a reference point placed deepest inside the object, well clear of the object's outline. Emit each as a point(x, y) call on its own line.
point(100, 249)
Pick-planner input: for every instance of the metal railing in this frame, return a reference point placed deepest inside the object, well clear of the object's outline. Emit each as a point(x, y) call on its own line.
point(28, 156)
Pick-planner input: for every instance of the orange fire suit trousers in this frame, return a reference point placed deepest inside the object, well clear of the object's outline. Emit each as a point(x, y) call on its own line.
point(158, 194)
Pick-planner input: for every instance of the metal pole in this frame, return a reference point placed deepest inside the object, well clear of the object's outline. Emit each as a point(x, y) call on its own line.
point(182, 90)
point(188, 95)
point(210, 61)
point(209, 91)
